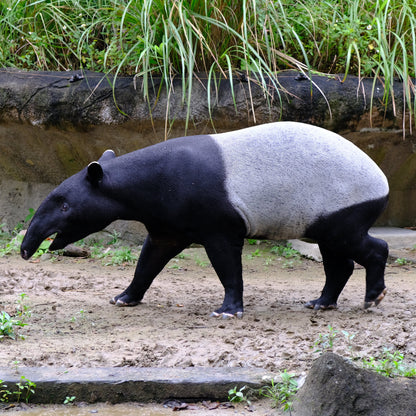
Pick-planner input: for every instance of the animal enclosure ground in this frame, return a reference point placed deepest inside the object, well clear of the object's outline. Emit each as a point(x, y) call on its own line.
point(73, 324)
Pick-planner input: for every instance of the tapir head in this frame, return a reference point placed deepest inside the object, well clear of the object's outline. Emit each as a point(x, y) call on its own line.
point(75, 209)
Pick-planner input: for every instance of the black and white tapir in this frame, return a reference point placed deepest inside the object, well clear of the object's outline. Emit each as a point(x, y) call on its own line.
point(273, 181)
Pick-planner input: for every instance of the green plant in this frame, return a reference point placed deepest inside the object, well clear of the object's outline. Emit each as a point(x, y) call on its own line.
point(285, 251)
point(401, 262)
point(281, 392)
point(201, 263)
point(237, 395)
point(290, 255)
point(5, 394)
point(79, 316)
point(163, 41)
point(10, 242)
point(69, 400)
point(120, 256)
point(23, 391)
point(390, 364)
point(9, 324)
point(11, 246)
point(115, 237)
point(325, 342)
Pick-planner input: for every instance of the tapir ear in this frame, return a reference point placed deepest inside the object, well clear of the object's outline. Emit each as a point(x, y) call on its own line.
point(107, 155)
point(95, 173)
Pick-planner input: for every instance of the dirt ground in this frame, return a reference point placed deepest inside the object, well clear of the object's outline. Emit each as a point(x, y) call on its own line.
point(73, 324)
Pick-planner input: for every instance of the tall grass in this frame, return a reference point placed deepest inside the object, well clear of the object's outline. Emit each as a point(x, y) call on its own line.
point(176, 38)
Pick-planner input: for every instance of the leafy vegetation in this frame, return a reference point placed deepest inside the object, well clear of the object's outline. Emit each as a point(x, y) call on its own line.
point(23, 390)
point(387, 363)
point(390, 364)
point(9, 324)
point(281, 392)
point(237, 395)
point(222, 38)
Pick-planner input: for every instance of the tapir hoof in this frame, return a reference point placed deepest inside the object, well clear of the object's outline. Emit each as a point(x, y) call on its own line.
point(317, 305)
point(118, 302)
point(380, 297)
point(225, 315)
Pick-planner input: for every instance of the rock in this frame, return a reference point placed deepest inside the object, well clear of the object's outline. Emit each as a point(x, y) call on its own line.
point(336, 387)
point(72, 250)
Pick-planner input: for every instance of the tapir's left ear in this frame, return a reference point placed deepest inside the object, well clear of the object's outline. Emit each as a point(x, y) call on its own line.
point(107, 155)
point(95, 173)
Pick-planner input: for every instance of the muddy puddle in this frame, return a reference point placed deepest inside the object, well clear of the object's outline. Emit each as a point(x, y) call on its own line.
point(260, 408)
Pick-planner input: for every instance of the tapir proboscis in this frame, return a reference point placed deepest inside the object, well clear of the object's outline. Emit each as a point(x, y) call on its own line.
point(273, 181)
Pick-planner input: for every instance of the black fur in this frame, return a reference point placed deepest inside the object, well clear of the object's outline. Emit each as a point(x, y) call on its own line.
point(343, 238)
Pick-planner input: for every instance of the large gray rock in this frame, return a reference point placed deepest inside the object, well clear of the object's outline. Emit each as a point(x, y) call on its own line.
point(336, 387)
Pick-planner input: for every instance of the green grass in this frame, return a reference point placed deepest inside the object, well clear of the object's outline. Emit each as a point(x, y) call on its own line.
point(178, 39)
point(10, 324)
point(388, 362)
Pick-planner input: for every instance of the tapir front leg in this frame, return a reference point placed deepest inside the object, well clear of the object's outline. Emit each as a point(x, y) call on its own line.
point(156, 252)
point(225, 257)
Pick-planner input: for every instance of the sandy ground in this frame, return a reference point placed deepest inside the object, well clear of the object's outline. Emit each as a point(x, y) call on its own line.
point(73, 324)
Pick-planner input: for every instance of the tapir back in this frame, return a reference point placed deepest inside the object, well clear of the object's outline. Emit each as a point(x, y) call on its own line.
point(282, 177)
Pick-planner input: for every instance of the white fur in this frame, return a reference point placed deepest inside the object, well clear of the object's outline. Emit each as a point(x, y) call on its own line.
point(282, 176)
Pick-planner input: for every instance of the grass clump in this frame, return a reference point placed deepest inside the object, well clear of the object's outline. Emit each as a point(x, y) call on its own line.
point(22, 391)
point(248, 39)
point(10, 324)
point(280, 390)
point(388, 362)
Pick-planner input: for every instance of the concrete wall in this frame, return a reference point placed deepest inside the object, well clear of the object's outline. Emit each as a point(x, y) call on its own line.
point(51, 127)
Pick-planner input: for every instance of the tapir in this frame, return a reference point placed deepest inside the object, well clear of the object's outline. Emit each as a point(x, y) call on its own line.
point(273, 181)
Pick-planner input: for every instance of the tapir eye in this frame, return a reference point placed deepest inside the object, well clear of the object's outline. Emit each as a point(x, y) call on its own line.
point(64, 207)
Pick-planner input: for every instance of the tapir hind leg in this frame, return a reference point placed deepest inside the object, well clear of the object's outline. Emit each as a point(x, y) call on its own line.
point(225, 257)
point(338, 270)
point(369, 252)
point(156, 252)
point(372, 254)
point(343, 237)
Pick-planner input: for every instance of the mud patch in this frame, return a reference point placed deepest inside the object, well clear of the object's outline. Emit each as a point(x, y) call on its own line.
point(73, 324)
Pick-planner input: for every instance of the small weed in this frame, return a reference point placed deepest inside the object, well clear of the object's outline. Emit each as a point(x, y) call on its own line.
point(201, 263)
point(43, 248)
point(173, 264)
point(268, 261)
point(79, 316)
point(281, 392)
point(238, 396)
point(11, 246)
point(69, 400)
point(11, 242)
point(120, 256)
point(401, 262)
point(254, 254)
point(115, 237)
point(325, 342)
point(9, 324)
point(390, 364)
point(5, 394)
point(23, 391)
point(285, 251)
point(290, 255)
point(253, 242)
